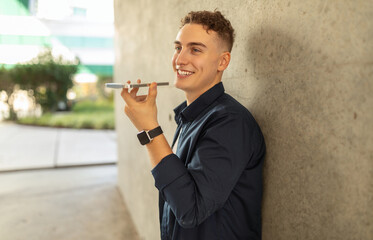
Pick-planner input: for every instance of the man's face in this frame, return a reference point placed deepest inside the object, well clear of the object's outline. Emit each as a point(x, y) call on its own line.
point(196, 60)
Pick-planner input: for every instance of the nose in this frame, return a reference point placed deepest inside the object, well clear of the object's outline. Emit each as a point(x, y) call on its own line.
point(181, 58)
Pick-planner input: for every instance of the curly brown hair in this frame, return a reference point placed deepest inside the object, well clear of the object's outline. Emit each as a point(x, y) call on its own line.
point(212, 21)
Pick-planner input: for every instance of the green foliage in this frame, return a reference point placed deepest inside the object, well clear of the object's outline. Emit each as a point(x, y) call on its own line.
point(47, 76)
point(6, 82)
point(93, 106)
point(7, 85)
point(87, 114)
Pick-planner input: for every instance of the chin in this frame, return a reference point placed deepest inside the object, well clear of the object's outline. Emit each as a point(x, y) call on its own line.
point(179, 84)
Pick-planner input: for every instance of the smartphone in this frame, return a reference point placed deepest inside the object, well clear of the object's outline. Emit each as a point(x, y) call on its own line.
point(133, 85)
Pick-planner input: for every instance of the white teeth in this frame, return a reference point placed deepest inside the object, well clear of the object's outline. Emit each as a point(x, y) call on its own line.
point(184, 72)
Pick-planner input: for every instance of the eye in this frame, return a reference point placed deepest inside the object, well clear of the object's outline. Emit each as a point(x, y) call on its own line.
point(196, 50)
point(178, 48)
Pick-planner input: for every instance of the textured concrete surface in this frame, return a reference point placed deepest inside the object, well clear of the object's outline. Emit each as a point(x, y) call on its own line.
point(80, 203)
point(305, 71)
point(24, 147)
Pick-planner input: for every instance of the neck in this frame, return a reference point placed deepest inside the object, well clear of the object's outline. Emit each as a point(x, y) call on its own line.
point(192, 96)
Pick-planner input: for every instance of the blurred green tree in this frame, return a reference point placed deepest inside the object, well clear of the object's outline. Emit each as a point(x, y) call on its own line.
point(48, 77)
point(7, 85)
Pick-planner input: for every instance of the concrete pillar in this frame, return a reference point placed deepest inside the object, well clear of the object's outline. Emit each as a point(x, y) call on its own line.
point(305, 71)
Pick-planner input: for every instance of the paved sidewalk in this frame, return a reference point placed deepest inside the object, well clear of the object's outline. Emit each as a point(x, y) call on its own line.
point(25, 147)
point(81, 203)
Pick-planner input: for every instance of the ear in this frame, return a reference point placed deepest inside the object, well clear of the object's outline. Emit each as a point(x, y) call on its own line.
point(225, 58)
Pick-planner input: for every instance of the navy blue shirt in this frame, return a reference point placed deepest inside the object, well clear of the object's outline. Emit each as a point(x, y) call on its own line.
point(212, 187)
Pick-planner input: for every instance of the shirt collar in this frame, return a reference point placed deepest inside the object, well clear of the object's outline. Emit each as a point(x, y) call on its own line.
point(189, 113)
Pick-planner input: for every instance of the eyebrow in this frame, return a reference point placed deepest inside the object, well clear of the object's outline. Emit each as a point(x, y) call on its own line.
point(192, 44)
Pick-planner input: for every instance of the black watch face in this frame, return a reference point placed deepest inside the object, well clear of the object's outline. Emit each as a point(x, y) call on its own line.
point(143, 138)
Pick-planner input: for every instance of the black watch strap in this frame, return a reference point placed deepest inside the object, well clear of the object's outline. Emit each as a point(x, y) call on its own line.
point(155, 132)
point(146, 137)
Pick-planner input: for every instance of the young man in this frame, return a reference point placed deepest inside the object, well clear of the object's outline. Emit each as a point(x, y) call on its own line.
point(211, 186)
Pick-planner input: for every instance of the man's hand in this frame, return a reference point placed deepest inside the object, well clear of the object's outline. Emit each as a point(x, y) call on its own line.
point(141, 110)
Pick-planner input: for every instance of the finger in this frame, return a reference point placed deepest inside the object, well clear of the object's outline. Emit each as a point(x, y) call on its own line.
point(124, 90)
point(141, 98)
point(152, 94)
point(135, 90)
point(127, 88)
point(128, 83)
point(127, 96)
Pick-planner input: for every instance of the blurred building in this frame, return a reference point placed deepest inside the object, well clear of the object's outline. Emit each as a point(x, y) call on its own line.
point(72, 28)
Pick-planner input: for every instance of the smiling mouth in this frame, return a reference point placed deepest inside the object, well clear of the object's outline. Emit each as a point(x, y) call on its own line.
point(183, 73)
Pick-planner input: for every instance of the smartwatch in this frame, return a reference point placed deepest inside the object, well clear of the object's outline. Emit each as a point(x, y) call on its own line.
point(146, 137)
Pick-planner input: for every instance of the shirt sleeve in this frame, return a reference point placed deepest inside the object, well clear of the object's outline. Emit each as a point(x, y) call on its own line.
point(194, 192)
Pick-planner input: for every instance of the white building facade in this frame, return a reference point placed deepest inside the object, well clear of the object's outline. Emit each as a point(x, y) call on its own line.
point(72, 28)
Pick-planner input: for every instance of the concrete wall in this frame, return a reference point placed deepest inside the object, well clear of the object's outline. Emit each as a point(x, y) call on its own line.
point(305, 71)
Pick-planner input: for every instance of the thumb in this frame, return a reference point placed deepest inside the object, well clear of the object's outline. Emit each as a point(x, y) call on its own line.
point(152, 94)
